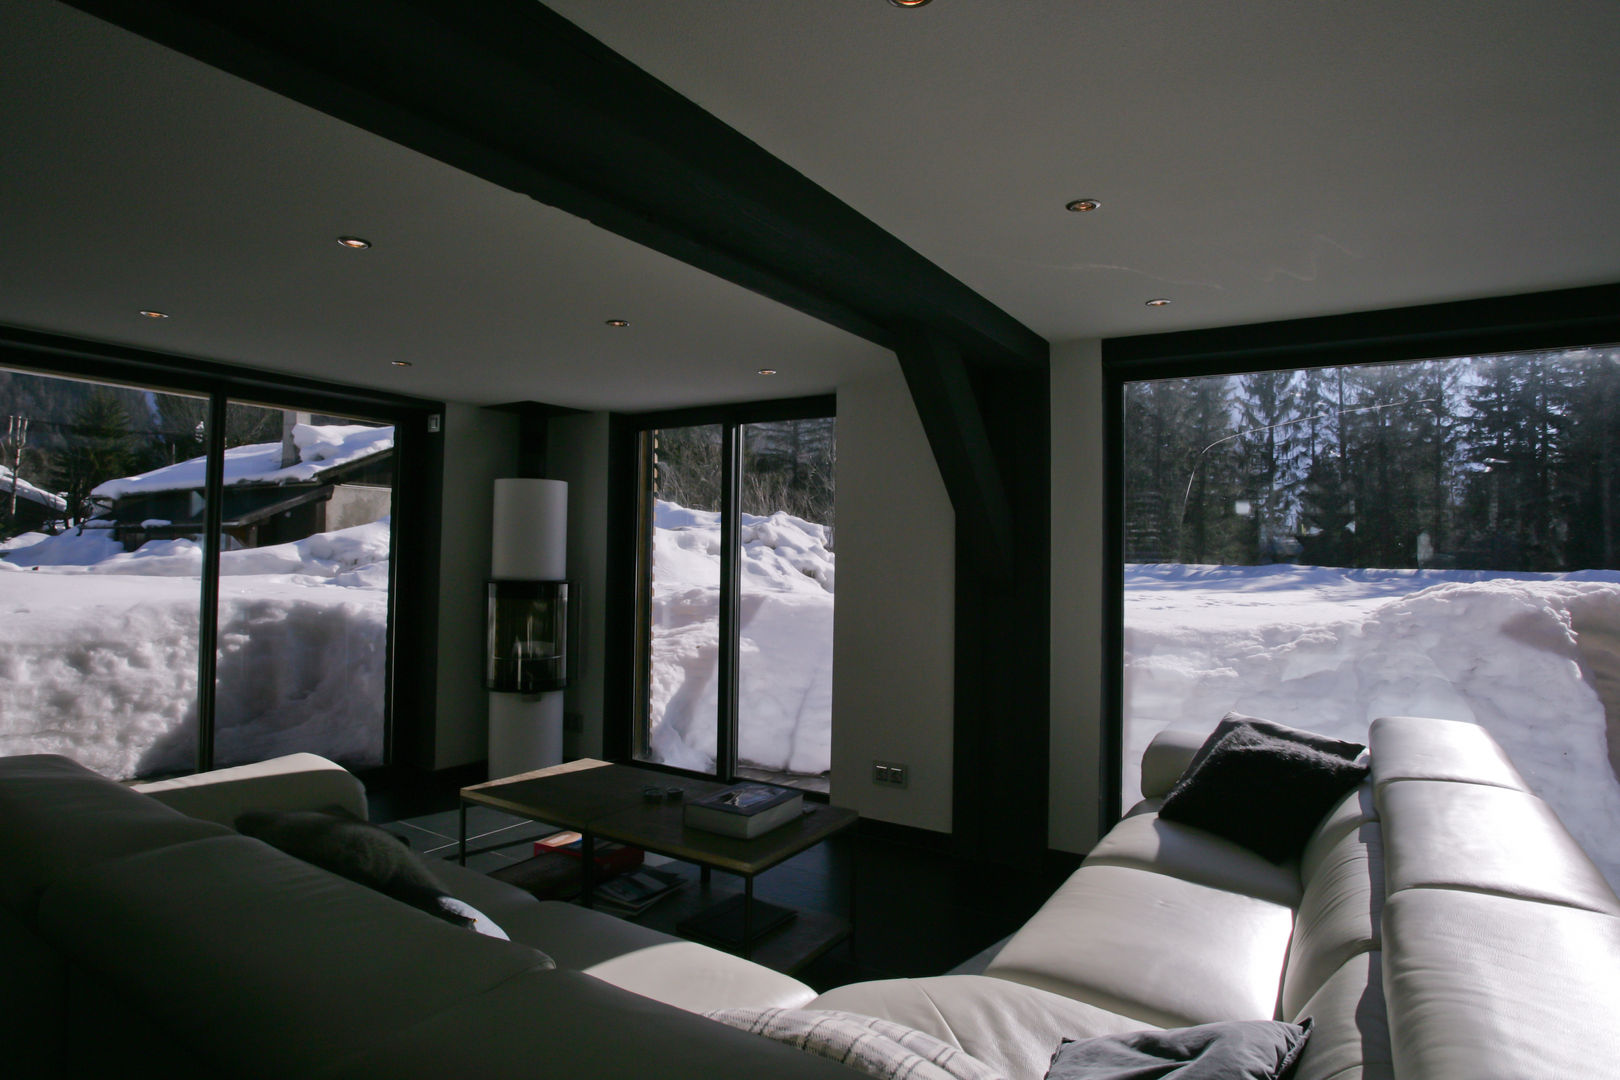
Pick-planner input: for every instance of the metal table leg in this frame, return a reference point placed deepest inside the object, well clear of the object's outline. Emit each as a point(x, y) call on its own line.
point(587, 855)
point(748, 918)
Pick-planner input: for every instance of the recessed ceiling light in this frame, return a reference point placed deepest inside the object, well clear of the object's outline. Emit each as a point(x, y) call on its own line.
point(155, 314)
point(908, 3)
point(1158, 302)
point(1082, 206)
point(617, 323)
point(400, 363)
point(358, 243)
point(767, 371)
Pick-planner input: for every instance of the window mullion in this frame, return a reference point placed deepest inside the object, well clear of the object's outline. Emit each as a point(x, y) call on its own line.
point(725, 763)
point(208, 614)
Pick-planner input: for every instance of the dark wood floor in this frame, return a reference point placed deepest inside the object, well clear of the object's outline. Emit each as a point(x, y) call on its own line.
point(916, 911)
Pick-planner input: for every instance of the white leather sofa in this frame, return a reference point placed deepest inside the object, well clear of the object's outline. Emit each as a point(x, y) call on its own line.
point(1440, 924)
point(142, 941)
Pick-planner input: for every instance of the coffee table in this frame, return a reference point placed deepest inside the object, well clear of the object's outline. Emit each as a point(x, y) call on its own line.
point(599, 799)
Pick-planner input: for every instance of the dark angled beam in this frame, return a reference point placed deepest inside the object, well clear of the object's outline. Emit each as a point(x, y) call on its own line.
point(510, 91)
point(937, 374)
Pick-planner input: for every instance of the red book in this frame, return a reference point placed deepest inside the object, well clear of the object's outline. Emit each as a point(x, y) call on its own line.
point(611, 858)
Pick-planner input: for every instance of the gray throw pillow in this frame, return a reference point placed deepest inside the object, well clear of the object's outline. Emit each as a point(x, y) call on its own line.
point(1325, 743)
point(1264, 792)
point(354, 849)
point(1232, 1050)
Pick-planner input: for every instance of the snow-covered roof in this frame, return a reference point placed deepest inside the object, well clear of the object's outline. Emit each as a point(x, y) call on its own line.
point(320, 448)
point(28, 491)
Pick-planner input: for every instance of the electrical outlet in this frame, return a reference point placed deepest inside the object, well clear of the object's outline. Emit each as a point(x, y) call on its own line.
point(888, 774)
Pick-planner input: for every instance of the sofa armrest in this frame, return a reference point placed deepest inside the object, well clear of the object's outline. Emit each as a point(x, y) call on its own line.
point(293, 782)
point(1166, 758)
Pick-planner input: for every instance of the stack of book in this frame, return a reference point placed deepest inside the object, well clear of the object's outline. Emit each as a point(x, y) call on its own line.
point(745, 810)
point(611, 858)
point(635, 892)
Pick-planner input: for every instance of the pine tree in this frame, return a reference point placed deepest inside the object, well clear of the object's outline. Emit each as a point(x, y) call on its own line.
point(1589, 459)
point(101, 448)
point(1271, 450)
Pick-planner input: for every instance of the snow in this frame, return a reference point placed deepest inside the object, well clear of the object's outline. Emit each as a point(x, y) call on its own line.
point(98, 650)
point(28, 491)
point(320, 447)
point(98, 653)
point(1330, 650)
point(785, 640)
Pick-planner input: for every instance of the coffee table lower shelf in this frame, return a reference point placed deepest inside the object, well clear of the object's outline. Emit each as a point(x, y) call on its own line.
point(794, 942)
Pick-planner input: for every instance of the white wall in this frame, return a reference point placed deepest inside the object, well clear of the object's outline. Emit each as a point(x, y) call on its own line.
point(577, 452)
point(1077, 595)
point(894, 636)
point(479, 446)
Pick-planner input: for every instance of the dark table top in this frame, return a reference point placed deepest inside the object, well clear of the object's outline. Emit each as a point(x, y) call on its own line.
point(606, 800)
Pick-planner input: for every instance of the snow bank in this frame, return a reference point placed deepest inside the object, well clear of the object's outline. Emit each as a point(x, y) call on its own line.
point(1331, 650)
point(785, 672)
point(319, 448)
point(76, 548)
point(98, 650)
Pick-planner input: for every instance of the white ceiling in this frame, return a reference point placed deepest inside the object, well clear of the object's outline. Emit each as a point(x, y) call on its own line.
point(1255, 160)
point(135, 178)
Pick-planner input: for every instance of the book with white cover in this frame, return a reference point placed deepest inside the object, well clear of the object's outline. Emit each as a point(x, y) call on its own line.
point(745, 810)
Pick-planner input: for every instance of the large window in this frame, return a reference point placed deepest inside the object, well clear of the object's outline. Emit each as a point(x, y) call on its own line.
point(736, 580)
point(141, 643)
point(1323, 546)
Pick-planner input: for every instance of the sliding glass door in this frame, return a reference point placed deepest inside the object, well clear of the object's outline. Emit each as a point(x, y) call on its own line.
point(98, 627)
point(303, 598)
point(735, 598)
point(133, 644)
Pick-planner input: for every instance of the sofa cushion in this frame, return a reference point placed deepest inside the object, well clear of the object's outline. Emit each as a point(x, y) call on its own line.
point(564, 1023)
point(1349, 1028)
point(1149, 842)
point(1353, 811)
point(263, 960)
point(1442, 834)
point(1338, 915)
point(681, 973)
point(1496, 988)
point(1010, 1027)
point(357, 850)
point(57, 817)
point(880, 1048)
point(1154, 947)
point(1166, 758)
point(1422, 748)
point(290, 782)
point(1232, 1050)
point(1261, 790)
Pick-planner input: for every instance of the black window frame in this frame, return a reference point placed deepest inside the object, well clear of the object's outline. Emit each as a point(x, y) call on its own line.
point(409, 690)
point(1565, 318)
point(629, 546)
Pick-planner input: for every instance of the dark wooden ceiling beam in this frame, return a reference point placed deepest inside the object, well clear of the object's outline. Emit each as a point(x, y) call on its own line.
point(512, 92)
point(937, 374)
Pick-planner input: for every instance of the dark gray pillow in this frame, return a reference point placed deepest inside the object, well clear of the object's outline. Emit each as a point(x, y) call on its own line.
point(1328, 745)
point(1264, 792)
point(1232, 1050)
point(354, 849)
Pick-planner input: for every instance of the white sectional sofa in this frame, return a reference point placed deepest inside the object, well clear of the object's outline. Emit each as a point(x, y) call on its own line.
point(1440, 923)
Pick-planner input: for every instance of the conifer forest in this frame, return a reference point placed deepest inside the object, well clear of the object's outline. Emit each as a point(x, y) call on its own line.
point(1503, 462)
